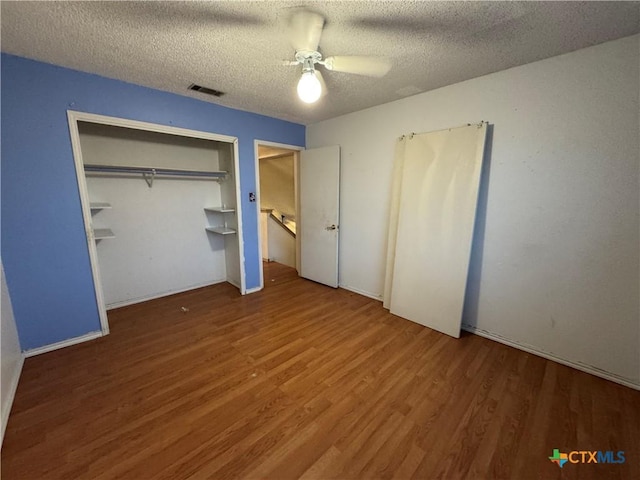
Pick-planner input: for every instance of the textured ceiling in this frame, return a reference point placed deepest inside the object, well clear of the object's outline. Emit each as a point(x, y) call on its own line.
point(238, 47)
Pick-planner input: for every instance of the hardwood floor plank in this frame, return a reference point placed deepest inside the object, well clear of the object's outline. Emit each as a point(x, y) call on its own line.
point(203, 443)
point(324, 467)
point(370, 446)
point(305, 381)
point(391, 454)
point(410, 463)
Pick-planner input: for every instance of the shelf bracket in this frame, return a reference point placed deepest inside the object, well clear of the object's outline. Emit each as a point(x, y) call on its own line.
point(148, 177)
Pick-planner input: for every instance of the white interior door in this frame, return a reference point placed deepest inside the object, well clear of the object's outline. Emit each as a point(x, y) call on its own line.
point(319, 214)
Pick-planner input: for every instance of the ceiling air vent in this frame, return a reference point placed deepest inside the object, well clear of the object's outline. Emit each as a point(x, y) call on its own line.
point(205, 90)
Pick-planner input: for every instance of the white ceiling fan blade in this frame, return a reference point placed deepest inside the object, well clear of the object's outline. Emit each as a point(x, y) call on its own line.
point(369, 66)
point(305, 29)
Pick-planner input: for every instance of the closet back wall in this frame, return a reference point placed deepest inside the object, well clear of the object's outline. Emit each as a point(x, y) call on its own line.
point(160, 245)
point(44, 247)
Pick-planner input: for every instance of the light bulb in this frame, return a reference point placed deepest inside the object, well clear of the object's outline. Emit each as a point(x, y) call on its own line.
point(309, 88)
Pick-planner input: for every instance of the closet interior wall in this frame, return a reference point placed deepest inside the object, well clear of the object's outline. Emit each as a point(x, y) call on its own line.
point(228, 199)
point(159, 244)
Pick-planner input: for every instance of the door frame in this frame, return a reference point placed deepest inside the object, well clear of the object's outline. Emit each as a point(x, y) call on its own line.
point(296, 159)
point(73, 118)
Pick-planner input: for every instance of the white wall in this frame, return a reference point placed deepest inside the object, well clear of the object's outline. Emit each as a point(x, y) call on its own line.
point(109, 145)
point(555, 260)
point(12, 358)
point(282, 245)
point(160, 245)
point(277, 185)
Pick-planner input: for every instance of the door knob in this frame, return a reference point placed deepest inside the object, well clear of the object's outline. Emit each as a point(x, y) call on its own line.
point(332, 227)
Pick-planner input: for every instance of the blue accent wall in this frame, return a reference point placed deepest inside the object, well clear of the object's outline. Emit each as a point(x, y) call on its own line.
point(44, 250)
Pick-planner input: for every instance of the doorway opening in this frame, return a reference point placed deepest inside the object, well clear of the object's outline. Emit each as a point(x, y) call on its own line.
point(278, 199)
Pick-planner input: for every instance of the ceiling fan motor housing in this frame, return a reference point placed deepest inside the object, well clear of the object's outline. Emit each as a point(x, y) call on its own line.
point(308, 58)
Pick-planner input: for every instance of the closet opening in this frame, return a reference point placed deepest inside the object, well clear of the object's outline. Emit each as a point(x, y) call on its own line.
point(161, 208)
point(278, 199)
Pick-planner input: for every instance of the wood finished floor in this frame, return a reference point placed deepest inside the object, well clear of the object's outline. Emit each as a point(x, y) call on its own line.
point(303, 381)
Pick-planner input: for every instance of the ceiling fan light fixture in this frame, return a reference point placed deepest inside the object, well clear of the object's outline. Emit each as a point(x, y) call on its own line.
point(309, 87)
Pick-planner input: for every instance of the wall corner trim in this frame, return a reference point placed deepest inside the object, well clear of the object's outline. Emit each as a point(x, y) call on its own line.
point(64, 343)
point(13, 387)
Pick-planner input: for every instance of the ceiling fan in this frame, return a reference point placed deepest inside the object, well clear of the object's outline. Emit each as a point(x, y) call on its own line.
point(305, 29)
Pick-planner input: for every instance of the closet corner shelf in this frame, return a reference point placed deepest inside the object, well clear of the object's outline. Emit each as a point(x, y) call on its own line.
point(221, 230)
point(99, 205)
point(220, 209)
point(102, 233)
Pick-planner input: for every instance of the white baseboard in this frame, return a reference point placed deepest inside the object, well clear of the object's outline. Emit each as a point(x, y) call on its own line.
point(252, 290)
point(361, 292)
point(627, 382)
point(549, 356)
point(64, 343)
point(13, 386)
point(133, 301)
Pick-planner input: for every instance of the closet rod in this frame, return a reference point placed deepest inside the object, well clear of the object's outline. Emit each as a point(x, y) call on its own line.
point(149, 173)
point(153, 171)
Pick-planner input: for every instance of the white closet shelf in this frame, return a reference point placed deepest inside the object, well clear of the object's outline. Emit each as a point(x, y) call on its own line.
point(221, 230)
point(102, 233)
point(99, 205)
point(220, 209)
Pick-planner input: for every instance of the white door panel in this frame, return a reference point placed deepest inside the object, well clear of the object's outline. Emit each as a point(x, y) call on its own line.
point(319, 214)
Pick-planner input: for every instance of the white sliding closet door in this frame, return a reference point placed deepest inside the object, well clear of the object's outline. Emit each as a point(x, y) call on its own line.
point(435, 192)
